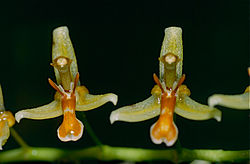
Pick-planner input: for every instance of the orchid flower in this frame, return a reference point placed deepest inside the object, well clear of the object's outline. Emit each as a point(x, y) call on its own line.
point(70, 95)
point(168, 96)
point(238, 101)
point(7, 120)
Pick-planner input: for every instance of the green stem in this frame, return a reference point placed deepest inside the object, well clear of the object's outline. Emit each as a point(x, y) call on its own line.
point(108, 153)
point(18, 138)
point(89, 129)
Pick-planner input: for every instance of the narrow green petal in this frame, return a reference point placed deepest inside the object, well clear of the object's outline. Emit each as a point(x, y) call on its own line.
point(62, 46)
point(50, 110)
point(4, 133)
point(141, 111)
point(89, 101)
point(240, 101)
point(190, 109)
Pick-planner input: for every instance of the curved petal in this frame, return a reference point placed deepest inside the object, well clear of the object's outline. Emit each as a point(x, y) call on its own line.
point(4, 133)
point(88, 101)
point(62, 46)
point(50, 110)
point(240, 101)
point(190, 109)
point(141, 111)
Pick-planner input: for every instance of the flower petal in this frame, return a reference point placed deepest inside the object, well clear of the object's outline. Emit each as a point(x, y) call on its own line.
point(190, 109)
point(50, 110)
point(4, 132)
point(164, 133)
point(62, 46)
point(172, 43)
point(240, 101)
point(141, 111)
point(88, 101)
point(71, 129)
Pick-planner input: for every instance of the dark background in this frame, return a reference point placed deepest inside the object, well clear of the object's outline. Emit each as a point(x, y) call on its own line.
point(117, 44)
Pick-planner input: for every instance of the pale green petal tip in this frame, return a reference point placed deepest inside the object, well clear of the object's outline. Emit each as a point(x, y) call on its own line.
point(217, 114)
point(114, 116)
point(141, 111)
point(19, 116)
point(112, 98)
point(213, 100)
point(50, 110)
point(5, 133)
point(2, 142)
point(190, 109)
point(117, 115)
point(240, 101)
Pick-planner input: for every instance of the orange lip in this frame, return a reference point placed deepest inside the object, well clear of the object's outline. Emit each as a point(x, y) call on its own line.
point(71, 128)
point(165, 130)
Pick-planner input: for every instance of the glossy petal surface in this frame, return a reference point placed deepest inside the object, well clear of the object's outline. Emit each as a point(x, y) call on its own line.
point(165, 132)
point(89, 101)
point(141, 111)
point(50, 110)
point(240, 101)
point(71, 129)
point(190, 109)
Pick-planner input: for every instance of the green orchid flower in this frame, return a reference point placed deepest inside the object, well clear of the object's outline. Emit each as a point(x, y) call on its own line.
point(7, 120)
point(168, 96)
point(70, 95)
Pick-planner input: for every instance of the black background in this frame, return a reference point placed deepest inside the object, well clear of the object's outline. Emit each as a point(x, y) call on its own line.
point(117, 44)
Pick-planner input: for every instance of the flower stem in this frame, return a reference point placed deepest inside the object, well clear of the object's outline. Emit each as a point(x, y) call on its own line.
point(18, 138)
point(89, 129)
point(108, 153)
